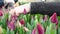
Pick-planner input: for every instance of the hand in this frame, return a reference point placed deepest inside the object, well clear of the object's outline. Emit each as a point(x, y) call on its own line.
point(20, 9)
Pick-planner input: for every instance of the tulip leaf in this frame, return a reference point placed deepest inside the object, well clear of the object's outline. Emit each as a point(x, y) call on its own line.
point(53, 29)
point(29, 26)
point(4, 31)
point(21, 30)
point(11, 32)
point(28, 32)
point(47, 30)
point(8, 32)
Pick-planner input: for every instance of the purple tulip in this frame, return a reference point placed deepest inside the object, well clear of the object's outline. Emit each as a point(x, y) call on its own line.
point(54, 19)
point(34, 31)
point(40, 29)
point(45, 18)
point(11, 25)
point(22, 21)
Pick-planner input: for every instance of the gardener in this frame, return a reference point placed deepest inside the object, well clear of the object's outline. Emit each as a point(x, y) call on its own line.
point(38, 7)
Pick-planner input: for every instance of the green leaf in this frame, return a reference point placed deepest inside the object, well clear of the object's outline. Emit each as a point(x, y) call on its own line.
point(47, 30)
point(21, 30)
point(28, 32)
point(4, 31)
point(11, 32)
point(29, 26)
point(58, 30)
point(51, 29)
point(8, 32)
point(25, 18)
point(3, 21)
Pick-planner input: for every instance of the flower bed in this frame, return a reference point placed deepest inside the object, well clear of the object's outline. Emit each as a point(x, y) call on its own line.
point(28, 24)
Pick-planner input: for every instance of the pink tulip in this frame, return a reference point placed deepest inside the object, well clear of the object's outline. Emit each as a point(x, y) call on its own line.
point(54, 19)
point(14, 17)
point(34, 31)
point(40, 29)
point(24, 11)
point(1, 12)
point(45, 18)
point(22, 21)
point(11, 25)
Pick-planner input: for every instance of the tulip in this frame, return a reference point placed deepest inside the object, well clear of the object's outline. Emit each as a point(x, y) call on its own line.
point(40, 29)
point(24, 11)
point(11, 25)
point(54, 19)
point(1, 13)
point(34, 31)
point(18, 24)
point(22, 21)
point(45, 18)
point(26, 29)
point(14, 17)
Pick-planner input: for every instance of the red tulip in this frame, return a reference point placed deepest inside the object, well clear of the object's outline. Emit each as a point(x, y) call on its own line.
point(34, 31)
point(11, 25)
point(40, 29)
point(22, 21)
point(54, 19)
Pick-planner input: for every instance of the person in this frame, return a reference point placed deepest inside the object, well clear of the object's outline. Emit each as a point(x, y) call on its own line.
point(7, 3)
point(47, 8)
point(1, 3)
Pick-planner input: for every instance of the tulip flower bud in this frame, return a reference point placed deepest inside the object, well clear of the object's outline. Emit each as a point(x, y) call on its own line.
point(1, 13)
point(26, 29)
point(54, 19)
point(22, 21)
point(34, 31)
point(24, 11)
point(14, 17)
point(11, 25)
point(40, 29)
point(45, 18)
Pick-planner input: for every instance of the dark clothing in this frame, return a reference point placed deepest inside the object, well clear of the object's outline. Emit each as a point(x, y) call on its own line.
point(45, 8)
point(1, 3)
point(8, 4)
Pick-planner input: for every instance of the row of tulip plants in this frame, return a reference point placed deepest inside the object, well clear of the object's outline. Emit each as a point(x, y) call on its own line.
point(29, 24)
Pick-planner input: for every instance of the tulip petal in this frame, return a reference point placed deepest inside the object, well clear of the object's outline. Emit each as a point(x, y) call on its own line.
point(40, 29)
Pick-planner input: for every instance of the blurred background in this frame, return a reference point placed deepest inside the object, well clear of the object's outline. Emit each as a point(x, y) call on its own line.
point(39, 0)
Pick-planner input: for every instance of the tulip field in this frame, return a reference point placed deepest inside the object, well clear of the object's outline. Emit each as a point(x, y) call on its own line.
point(29, 23)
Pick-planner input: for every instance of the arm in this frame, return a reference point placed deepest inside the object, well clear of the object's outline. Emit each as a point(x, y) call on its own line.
point(20, 9)
point(45, 8)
